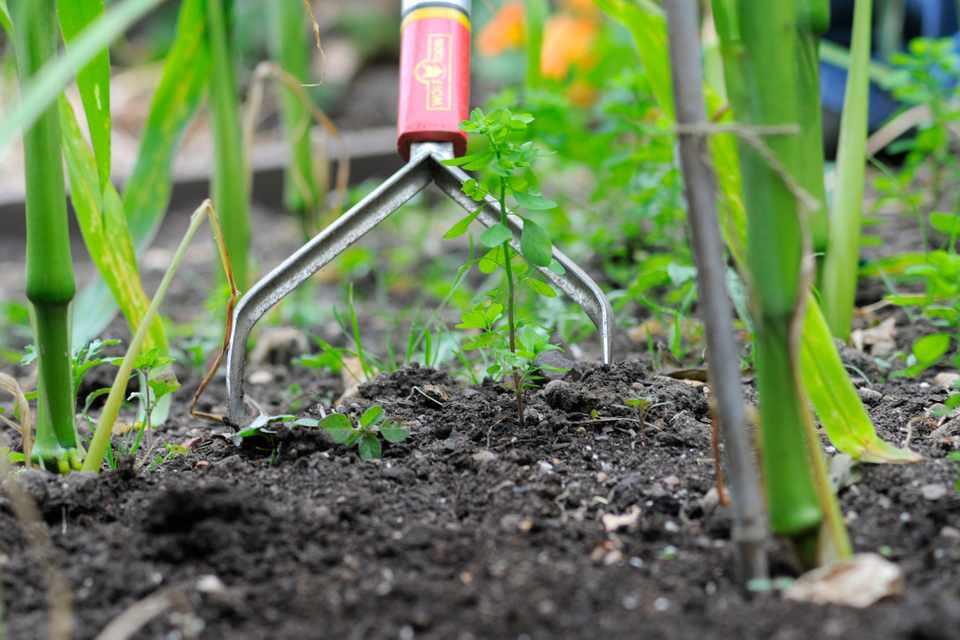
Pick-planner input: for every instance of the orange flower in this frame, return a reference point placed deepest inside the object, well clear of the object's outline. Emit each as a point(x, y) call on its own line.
point(582, 7)
point(504, 31)
point(567, 42)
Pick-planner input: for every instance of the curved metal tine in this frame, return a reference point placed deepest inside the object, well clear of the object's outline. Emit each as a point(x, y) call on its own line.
point(576, 283)
point(327, 245)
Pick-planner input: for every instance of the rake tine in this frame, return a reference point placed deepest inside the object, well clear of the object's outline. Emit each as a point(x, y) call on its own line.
point(331, 242)
point(575, 282)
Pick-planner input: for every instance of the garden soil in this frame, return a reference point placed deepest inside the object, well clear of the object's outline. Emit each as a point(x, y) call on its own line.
point(479, 526)
point(476, 527)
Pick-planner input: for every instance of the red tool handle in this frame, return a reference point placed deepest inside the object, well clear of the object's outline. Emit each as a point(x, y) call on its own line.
point(434, 73)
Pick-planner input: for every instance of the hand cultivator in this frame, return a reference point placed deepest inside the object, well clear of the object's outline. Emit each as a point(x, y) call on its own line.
point(434, 96)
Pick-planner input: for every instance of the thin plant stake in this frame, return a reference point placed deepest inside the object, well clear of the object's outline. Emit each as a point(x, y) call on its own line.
point(749, 518)
point(101, 436)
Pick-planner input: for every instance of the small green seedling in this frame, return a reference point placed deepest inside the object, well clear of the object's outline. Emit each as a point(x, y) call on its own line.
point(366, 434)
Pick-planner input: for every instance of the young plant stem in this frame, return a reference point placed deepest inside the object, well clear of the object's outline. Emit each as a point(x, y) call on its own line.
point(760, 52)
point(749, 528)
point(841, 267)
point(111, 409)
point(230, 185)
point(50, 283)
point(511, 311)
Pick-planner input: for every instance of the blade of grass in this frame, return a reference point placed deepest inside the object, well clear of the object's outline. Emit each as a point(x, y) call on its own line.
point(303, 192)
point(840, 268)
point(231, 192)
point(812, 21)
point(46, 85)
point(535, 15)
point(93, 81)
point(111, 409)
point(147, 192)
point(9, 385)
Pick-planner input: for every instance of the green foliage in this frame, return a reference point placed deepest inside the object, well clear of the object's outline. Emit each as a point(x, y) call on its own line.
point(365, 435)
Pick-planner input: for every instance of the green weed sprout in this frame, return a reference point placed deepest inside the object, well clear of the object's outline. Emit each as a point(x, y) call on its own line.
point(504, 157)
point(50, 282)
point(370, 428)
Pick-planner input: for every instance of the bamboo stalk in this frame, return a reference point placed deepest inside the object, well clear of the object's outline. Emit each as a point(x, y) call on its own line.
point(749, 528)
point(761, 55)
point(50, 282)
point(231, 189)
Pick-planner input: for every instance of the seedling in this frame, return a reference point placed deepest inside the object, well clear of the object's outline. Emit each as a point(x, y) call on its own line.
point(366, 434)
point(504, 161)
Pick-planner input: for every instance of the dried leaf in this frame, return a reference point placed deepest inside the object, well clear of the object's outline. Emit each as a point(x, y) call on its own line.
point(859, 582)
point(877, 341)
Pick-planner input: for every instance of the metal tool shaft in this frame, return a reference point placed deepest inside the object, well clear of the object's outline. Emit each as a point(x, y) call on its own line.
point(425, 166)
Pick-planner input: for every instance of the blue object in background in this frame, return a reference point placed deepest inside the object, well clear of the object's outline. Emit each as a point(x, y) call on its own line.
point(922, 18)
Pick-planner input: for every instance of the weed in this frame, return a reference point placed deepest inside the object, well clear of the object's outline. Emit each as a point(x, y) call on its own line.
point(366, 434)
point(504, 159)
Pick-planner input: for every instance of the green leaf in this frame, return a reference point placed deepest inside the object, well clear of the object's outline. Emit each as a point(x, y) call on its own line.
point(147, 192)
point(394, 432)
point(495, 235)
point(338, 426)
point(533, 201)
point(929, 349)
point(541, 287)
point(47, 85)
point(306, 422)
point(462, 225)
point(5, 21)
point(93, 80)
point(946, 223)
point(535, 244)
point(371, 416)
point(103, 225)
point(370, 447)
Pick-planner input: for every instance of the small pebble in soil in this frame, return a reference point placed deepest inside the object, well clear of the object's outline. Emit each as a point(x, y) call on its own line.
point(933, 491)
point(869, 396)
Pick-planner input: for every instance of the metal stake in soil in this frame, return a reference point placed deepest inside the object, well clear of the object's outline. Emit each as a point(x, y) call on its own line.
point(434, 96)
point(749, 529)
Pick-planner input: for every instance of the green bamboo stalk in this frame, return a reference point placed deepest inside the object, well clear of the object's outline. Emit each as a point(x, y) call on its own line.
point(302, 191)
point(813, 19)
point(763, 60)
point(841, 266)
point(231, 190)
point(50, 283)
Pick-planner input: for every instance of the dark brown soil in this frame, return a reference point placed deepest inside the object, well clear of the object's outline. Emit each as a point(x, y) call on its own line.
point(476, 527)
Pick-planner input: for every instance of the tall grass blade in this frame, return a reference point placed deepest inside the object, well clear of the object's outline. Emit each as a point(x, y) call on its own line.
point(535, 16)
point(231, 189)
point(93, 81)
point(104, 228)
point(841, 412)
point(840, 268)
point(147, 192)
point(111, 409)
point(302, 189)
point(46, 85)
